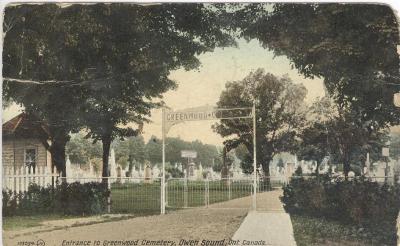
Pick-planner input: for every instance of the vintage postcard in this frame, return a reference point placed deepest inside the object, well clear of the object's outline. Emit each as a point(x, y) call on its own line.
point(200, 124)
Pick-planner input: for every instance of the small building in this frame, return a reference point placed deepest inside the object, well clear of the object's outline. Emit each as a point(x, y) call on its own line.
point(24, 143)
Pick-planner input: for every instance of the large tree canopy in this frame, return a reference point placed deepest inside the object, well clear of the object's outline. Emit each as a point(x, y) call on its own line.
point(279, 113)
point(339, 136)
point(207, 154)
point(34, 51)
point(101, 66)
point(353, 47)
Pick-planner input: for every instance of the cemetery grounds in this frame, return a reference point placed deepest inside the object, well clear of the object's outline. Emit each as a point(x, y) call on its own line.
point(195, 208)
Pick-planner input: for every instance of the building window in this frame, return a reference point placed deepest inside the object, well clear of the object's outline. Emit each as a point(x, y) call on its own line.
point(30, 158)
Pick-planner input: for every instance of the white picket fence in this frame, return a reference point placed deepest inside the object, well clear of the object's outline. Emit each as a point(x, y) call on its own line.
point(19, 179)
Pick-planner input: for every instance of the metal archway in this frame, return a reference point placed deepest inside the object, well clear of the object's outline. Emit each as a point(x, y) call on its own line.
point(171, 118)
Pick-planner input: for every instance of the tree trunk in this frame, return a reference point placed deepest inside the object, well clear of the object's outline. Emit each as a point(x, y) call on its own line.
point(317, 168)
point(346, 165)
point(57, 151)
point(106, 140)
point(266, 181)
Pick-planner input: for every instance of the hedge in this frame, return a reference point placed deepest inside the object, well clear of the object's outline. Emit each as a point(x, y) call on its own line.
point(360, 202)
point(66, 199)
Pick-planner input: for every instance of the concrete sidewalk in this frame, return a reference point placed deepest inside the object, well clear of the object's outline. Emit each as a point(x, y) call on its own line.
point(274, 228)
point(270, 226)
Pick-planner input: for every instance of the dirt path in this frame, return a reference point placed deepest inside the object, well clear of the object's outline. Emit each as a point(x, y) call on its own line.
point(190, 224)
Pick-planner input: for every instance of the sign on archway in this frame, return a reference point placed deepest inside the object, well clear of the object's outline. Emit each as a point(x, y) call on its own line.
point(171, 118)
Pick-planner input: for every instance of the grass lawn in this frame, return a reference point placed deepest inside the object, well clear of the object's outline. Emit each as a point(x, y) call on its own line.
point(22, 222)
point(141, 199)
point(319, 231)
point(145, 198)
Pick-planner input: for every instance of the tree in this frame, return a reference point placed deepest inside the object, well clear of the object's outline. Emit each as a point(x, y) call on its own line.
point(108, 61)
point(353, 47)
point(279, 114)
point(34, 50)
point(246, 159)
point(153, 153)
point(340, 136)
point(129, 151)
point(80, 149)
point(207, 154)
point(135, 47)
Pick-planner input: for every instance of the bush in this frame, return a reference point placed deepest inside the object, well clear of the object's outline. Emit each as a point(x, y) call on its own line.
point(9, 203)
point(81, 199)
point(360, 202)
point(66, 199)
point(37, 200)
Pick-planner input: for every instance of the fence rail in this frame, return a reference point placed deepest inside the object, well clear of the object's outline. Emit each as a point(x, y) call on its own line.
point(141, 195)
point(390, 180)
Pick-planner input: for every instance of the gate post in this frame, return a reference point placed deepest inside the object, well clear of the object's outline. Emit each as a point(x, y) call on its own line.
point(163, 164)
point(206, 193)
point(185, 192)
point(254, 158)
point(166, 193)
point(229, 188)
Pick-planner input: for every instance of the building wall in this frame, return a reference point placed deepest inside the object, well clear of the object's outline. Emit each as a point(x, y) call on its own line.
point(14, 152)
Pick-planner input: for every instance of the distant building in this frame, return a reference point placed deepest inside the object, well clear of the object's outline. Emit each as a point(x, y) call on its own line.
point(24, 143)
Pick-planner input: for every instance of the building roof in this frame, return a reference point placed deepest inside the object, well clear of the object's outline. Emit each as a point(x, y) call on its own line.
point(25, 125)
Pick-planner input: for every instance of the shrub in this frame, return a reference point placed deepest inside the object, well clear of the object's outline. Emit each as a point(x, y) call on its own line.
point(37, 200)
point(9, 203)
point(360, 202)
point(81, 199)
point(67, 199)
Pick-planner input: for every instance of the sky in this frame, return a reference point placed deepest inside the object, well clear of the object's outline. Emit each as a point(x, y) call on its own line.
point(204, 85)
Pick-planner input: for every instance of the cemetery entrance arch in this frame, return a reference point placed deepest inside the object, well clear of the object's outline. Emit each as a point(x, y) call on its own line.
point(171, 118)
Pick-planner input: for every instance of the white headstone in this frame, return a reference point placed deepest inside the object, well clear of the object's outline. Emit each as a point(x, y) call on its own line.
point(156, 172)
point(147, 172)
point(191, 171)
point(180, 167)
point(68, 168)
point(200, 172)
point(367, 165)
point(112, 165)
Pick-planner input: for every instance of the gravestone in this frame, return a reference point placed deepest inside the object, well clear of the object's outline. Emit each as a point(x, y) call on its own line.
point(134, 172)
point(156, 172)
point(119, 173)
point(180, 167)
point(191, 171)
point(147, 174)
point(140, 170)
point(68, 168)
point(289, 169)
point(112, 165)
point(367, 166)
point(200, 172)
